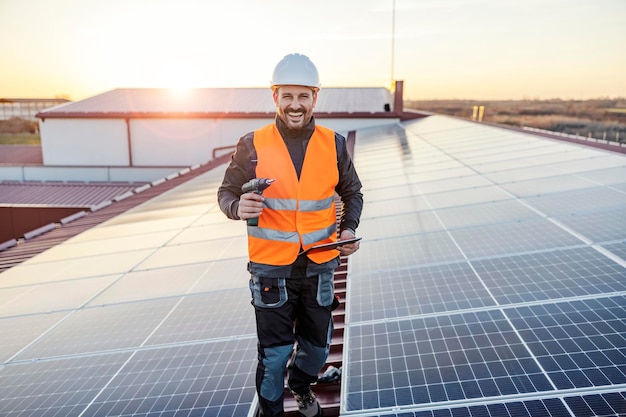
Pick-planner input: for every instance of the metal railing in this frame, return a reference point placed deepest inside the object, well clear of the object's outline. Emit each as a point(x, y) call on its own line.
point(617, 142)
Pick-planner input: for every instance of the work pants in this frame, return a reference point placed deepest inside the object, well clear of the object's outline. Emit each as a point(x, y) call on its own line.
point(288, 310)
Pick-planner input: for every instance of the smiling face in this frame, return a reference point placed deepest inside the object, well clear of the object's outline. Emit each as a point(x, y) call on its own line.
point(294, 105)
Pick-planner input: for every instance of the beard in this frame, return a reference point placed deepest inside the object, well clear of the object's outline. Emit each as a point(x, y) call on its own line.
point(296, 120)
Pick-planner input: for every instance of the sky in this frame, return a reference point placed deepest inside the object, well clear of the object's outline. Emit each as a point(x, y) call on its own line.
point(440, 49)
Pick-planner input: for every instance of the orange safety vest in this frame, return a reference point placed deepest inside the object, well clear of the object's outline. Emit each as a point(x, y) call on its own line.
point(295, 213)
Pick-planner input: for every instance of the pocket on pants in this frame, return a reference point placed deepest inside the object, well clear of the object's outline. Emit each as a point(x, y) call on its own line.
point(325, 289)
point(268, 292)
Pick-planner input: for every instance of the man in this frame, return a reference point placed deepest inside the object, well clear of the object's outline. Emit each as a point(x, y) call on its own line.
point(292, 291)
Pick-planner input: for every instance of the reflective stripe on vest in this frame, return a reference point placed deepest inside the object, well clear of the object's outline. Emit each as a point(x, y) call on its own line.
point(296, 212)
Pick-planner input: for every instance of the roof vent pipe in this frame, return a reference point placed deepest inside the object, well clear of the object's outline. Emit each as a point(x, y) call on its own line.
point(398, 105)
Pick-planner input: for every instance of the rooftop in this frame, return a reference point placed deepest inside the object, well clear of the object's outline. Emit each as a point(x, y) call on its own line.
point(491, 281)
point(21, 155)
point(200, 102)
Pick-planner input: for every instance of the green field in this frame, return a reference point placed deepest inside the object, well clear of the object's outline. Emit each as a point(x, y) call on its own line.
point(20, 139)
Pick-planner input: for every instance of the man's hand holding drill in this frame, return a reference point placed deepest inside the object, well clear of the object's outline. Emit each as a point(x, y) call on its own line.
point(250, 205)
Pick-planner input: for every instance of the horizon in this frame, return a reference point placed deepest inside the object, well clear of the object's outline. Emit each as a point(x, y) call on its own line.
point(442, 50)
point(177, 90)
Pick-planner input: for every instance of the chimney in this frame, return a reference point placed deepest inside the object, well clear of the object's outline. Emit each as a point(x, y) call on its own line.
point(398, 104)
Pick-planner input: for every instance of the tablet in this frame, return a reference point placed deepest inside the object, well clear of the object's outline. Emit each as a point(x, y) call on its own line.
point(332, 245)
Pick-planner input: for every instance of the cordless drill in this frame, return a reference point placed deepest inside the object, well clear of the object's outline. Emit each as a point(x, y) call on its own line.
point(256, 185)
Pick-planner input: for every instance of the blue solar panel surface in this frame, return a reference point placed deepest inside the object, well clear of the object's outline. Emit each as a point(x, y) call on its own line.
point(145, 315)
point(505, 296)
point(491, 281)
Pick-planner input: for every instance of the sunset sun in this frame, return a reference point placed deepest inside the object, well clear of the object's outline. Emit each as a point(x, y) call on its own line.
point(179, 76)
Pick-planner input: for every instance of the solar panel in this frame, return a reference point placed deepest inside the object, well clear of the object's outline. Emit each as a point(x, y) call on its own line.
point(406, 251)
point(578, 201)
point(484, 213)
point(551, 407)
point(506, 299)
point(52, 296)
point(389, 294)
point(171, 332)
point(453, 184)
point(214, 379)
point(18, 332)
point(392, 206)
point(512, 237)
point(401, 224)
point(597, 226)
point(466, 197)
point(61, 387)
point(438, 359)
point(97, 329)
point(544, 184)
point(618, 248)
point(194, 252)
point(578, 343)
point(491, 281)
point(214, 315)
point(548, 275)
point(211, 379)
point(598, 405)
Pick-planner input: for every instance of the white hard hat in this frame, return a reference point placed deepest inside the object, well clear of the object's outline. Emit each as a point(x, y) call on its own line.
point(295, 69)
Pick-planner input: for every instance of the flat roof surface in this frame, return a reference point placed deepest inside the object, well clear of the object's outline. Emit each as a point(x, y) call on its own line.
point(491, 281)
point(60, 194)
point(21, 155)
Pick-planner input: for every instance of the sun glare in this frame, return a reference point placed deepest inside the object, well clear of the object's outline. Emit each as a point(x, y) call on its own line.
point(179, 78)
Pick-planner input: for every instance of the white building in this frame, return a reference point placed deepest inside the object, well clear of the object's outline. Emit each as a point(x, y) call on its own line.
point(143, 134)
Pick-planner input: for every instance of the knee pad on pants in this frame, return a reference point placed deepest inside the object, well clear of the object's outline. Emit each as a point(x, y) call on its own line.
point(272, 365)
point(310, 358)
